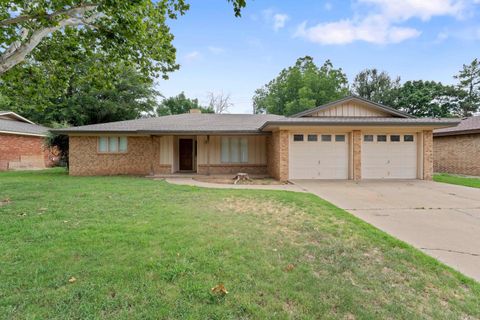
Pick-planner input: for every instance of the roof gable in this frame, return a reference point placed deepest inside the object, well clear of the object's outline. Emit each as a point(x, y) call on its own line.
point(10, 115)
point(352, 106)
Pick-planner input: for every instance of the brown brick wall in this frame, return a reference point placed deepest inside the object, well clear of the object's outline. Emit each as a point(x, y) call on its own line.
point(357, 154)
point(23, 152)
point(427, 155)
point(458, 154)
point(138, 160)
point(277, 155)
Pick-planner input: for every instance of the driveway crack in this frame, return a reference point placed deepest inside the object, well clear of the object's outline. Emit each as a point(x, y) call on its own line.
point(452, 251)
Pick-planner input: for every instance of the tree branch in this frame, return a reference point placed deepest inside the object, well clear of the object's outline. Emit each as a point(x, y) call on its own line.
point(69, 12)
point(18, 50)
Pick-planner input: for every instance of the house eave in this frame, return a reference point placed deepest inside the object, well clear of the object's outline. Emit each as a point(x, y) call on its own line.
point(160, 132)
point(455, 133)
point(23, 133)
point(358, 124)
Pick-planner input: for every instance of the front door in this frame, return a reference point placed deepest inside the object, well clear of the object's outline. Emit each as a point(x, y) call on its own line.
point(185, 154)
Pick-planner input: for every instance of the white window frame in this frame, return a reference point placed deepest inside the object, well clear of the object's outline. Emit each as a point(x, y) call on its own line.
point(237, 150)
point(117, 140)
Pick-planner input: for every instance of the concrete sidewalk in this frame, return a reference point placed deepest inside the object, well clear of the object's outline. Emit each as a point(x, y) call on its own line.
point(196, 183)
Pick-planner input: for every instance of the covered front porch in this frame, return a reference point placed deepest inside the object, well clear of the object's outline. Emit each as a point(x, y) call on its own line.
point(195, 155)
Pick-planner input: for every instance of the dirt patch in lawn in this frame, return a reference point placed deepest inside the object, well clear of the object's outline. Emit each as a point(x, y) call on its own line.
point(5, 201)
point(231, 180)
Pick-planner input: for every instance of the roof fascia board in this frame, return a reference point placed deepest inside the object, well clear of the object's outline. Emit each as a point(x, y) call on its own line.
point(23, 133)
point(16, 116)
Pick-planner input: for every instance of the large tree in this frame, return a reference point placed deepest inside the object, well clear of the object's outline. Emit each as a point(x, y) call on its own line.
point(180, 104)
point(469, 82)
point(75, 86)
point(376, 86)
point(133, 30)
point(300, 87)
point(427, 99)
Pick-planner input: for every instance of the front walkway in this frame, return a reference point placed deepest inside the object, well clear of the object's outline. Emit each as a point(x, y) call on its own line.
point(196, 183)
point(443, 220)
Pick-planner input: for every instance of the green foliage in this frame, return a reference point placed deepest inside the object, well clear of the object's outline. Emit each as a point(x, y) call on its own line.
point(301, 87)
point(60, 143)
point(75, 85)
point(180, 104)
point(129, 30)
point(427, 99)
point(469, 82)
point(135, 31)
point(375, 86)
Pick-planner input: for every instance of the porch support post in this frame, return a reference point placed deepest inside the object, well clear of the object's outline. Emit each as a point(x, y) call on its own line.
point(152, 152)
point(208, 155)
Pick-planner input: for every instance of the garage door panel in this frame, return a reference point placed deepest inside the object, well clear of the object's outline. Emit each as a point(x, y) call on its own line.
point(318, 159)
point(389, 159)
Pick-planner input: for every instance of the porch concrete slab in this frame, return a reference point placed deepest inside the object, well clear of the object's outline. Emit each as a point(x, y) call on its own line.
point(442, 220)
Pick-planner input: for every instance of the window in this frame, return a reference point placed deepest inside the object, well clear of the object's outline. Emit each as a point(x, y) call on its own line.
point(298, 137)
point(381, 138)
point(234, 150)
point(112, 144)
point(312, 137)
point(394, 138)
point(326, 137)
point(408, 138)
point(340, 138)
point(368, 138)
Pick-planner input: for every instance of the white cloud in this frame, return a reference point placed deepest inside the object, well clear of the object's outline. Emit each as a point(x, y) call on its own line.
point(328, 6)
point(192, 56)
point(216, 50)
point(279, 21)
point(276, 19)
point(422, 9)
point(382, 23)
point(346, 31)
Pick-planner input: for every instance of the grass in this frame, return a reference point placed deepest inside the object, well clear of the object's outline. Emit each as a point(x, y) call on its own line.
point(456, 179)
point(143, 249)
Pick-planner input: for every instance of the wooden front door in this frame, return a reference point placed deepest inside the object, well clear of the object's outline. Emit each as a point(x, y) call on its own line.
point(185, 154)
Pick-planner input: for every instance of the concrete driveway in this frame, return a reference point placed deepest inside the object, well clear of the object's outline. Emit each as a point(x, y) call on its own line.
point(442, 220)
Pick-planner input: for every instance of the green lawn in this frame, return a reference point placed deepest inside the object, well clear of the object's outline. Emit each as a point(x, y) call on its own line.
point(455, 179)
point(146, 249)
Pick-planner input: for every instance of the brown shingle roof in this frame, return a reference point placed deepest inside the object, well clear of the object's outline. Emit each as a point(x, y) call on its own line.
point(466, 126)
point(182, 123)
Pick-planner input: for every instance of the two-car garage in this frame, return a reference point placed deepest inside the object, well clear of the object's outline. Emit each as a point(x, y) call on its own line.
point(329, 155)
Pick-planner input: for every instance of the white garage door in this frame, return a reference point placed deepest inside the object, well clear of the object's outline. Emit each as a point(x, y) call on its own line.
point(389, 156)
point(318, 156)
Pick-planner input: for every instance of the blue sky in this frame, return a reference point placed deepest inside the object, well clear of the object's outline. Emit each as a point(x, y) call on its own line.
point(415, 39)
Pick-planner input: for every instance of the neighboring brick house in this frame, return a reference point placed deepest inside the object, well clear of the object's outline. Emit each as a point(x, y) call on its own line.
point(351, 138)
point(22, 143)
point(457, 149)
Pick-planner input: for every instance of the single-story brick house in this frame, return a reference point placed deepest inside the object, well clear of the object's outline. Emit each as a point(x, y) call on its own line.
point(351, 138)
point(457, 149)
point(22, 143)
